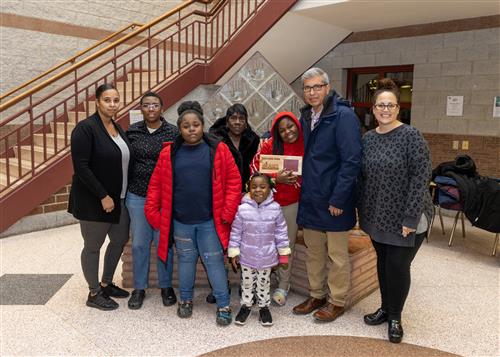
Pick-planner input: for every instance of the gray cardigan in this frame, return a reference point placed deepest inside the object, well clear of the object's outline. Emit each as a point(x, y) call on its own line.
point(394, 186)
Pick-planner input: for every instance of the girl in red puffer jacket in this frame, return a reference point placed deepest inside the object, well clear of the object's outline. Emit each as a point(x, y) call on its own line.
point(286, 139)
point(192, 198)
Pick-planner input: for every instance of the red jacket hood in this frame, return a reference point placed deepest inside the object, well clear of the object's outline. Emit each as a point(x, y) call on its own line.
point(281, 115)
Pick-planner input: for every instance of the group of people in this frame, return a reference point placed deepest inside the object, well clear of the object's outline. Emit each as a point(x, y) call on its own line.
point(203, 193)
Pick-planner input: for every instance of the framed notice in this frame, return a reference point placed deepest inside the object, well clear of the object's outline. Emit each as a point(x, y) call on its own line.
point(455, 105)
point(271, 164)
point(496, 107)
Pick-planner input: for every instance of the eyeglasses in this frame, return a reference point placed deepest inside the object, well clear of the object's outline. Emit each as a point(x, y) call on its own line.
point(315, 88)
point(382, 106)
point(151, 106)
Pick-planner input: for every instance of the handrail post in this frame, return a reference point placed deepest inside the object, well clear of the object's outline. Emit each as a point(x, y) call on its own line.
point(206, 33)
point(30, 111)
point(76, 96)
point(179, 43)
point(149, 60)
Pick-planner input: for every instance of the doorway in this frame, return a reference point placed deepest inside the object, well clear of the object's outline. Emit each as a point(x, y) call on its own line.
point(362, 84)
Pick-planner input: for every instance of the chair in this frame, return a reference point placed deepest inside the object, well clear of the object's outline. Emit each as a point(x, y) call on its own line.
point(433, 189)
point(494, 251)
point(445, 194)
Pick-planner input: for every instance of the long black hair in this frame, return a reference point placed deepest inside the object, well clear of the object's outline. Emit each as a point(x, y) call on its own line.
point(278, 146)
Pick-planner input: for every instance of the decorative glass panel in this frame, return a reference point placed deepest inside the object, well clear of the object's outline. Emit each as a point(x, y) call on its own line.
point(260, 89)
point(215, 108)
point(276, 91)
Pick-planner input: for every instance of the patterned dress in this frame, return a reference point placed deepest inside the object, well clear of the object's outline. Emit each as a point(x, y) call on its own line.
point(394, 185)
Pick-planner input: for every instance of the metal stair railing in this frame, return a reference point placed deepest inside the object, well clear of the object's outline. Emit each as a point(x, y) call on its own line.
point(152, 55)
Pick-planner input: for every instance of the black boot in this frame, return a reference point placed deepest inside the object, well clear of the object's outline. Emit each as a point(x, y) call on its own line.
point(168, 296)
point(136, 300)
point(377, 318)
point(210, 298)
point(395, 331)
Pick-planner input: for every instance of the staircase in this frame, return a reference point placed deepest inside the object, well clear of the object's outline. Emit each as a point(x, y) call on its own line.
point(194, 43)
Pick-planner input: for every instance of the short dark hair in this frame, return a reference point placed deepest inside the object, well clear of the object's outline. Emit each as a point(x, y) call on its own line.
point(237, 109)
point(151, 94)
point(192, 107)
point(102, 88)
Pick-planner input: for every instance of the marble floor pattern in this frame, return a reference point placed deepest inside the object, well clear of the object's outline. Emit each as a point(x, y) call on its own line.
point(453, 306)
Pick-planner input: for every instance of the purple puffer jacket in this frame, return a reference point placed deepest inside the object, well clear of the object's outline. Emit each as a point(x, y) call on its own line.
point(259, 233)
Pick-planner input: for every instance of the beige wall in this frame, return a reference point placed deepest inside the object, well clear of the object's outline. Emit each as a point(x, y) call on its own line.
point(47, 32)
point(463, 63)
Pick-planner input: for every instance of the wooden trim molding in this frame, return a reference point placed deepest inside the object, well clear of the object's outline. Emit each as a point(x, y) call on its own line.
point(476, 23)
point(53, 27)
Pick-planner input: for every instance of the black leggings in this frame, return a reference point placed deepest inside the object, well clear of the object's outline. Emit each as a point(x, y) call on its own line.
point(393, 268)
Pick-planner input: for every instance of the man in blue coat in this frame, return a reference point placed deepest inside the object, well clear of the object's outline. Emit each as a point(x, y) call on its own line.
point(331, 164)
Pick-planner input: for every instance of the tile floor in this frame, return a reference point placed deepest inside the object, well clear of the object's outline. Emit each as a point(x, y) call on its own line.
point(453, 306)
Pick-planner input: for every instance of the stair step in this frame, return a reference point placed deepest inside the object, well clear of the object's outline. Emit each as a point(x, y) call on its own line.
point(92, 107)
point(81, 115)
point(49, 140)
point(38, 153)
point(3, 184)
point(14, 166)
point(138, 77)
point(60, 127)
point(120, 86)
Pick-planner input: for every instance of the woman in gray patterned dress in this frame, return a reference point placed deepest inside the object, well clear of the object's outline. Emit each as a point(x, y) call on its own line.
point(395, 206)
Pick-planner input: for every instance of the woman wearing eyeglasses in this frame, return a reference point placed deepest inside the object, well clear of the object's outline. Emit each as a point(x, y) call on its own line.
point(146, 140)
point(395, 205)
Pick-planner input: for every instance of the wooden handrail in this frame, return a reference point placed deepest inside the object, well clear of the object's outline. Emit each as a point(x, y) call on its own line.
point(70, 60)
point(99, 53)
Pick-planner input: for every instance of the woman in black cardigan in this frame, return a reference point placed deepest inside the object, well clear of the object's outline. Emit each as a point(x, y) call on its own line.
point(101, 155)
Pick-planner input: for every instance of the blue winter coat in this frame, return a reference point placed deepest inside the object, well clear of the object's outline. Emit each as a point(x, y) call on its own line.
point(259, 233)
point(331, 164)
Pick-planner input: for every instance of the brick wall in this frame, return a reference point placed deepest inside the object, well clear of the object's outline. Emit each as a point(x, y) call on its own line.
point(57, 202)
point(485, 150)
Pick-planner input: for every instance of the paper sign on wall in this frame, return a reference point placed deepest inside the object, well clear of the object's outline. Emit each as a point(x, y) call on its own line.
point(455, 105)
point(496, 106)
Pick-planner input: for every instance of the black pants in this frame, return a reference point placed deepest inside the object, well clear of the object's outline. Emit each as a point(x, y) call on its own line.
point(393, 268)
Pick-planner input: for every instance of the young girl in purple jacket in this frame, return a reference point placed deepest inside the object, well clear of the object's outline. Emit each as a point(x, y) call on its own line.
point(258, 242)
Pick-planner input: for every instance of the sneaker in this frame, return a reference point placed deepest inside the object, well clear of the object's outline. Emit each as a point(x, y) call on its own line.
point(101, 301)
point(265, 317)
point(136, 300)
point(279, 297)
point(185, 309)
point(168, 296)
point(210, 298)
point(224, 316)
point(242, 316)
point(114, 291)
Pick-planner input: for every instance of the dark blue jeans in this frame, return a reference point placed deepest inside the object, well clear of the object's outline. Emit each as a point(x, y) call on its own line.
point(142, 236)
point(191, 241)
